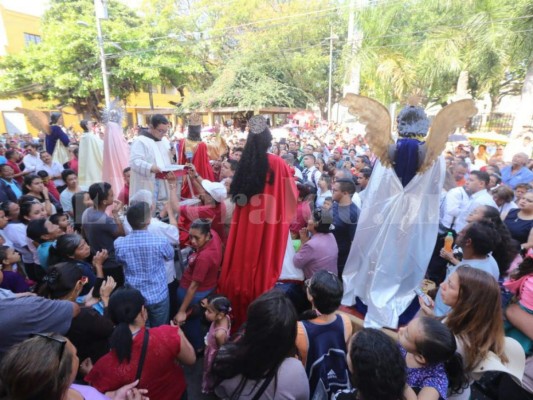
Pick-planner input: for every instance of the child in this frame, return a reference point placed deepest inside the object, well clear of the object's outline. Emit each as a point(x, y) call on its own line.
point(62, 220)
point(520, 285)
point(217, 313)
point(433, 364)
point(328, 202)
point(12, 280)
point(322, 336)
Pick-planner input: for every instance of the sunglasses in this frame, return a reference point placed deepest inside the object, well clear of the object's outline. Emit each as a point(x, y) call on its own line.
point(54, 337)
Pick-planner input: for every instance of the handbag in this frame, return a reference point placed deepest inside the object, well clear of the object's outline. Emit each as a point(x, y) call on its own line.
point(143, 355)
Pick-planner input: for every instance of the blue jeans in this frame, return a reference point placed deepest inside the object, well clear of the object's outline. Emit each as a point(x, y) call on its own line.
point(193, 327)
point(158, 313)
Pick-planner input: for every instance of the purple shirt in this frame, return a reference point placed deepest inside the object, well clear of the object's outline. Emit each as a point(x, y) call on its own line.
point(319, 253)
point(431, 376)
point(15, 282)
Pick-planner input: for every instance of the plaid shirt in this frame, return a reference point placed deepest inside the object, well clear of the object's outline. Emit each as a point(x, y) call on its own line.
point(143, 255)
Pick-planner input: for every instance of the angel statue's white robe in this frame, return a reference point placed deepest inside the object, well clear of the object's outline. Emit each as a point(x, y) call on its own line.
point(393, 243)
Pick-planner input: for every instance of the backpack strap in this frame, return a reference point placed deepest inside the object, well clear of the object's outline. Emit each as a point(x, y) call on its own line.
point(264, 386)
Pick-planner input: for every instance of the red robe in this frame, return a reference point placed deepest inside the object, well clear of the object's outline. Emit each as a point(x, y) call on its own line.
point(257, 241)
point(200, 160)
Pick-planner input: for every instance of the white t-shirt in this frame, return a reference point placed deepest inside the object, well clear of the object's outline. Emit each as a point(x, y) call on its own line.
point(32, 163)
point(54, 170)
point(66, 199)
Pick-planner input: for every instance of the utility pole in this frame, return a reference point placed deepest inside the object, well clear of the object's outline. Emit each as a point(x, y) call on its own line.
point(100, 7)
point(355, 39)
point(331, 38)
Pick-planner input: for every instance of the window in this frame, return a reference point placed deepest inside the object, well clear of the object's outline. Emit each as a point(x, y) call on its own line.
point(31, 39)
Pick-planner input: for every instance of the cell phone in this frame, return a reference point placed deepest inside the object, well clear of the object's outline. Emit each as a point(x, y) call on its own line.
point(425, 297)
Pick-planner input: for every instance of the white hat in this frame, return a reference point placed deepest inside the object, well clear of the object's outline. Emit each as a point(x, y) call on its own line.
point(142, 196)
point(514, 367)
point(217, 190)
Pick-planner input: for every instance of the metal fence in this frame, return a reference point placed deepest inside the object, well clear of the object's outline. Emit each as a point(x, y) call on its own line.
point(492, 122)
point(495, 122)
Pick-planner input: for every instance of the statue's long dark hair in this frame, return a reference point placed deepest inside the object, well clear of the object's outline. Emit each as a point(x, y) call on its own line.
point(194, 133)
point(251, 174)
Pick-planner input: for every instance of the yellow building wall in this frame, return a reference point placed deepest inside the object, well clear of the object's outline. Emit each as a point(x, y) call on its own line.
point(15, 25)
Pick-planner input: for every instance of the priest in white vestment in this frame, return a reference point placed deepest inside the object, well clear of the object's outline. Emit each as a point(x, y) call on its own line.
point(149, 157)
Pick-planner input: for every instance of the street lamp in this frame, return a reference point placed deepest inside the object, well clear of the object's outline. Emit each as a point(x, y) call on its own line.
point(331, 38)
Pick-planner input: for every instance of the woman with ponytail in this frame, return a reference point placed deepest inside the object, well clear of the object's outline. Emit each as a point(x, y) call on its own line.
point(506, 248)
point(166, 346)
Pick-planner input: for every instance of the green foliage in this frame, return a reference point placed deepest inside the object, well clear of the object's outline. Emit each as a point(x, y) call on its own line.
point(65, 67)
point(427, 44)
point(249, 85)
point(256, 53)
point(272, 52)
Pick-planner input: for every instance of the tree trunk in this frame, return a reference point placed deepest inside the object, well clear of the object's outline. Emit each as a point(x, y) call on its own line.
point(461, 91)
point(524, 113)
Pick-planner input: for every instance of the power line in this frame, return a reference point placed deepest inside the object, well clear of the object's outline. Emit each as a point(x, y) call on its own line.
point(340, 41)
point(284, 18)
point(343, 41)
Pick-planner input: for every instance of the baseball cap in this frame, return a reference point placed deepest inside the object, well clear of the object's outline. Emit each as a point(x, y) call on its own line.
point(216, 190)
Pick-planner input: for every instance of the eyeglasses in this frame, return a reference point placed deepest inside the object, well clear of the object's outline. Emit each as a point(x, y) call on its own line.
point(54, 337)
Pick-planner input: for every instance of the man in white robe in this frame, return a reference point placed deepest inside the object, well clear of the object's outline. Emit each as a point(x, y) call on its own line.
point(148, 157)
point(90, 156)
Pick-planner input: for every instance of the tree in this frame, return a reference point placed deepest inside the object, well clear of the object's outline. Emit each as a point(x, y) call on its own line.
point(64, 67)
point(249, 85)
point(271, 52)
point(437, 46)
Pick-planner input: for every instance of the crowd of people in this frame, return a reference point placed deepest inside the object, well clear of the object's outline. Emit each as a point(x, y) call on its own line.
point(236, 255)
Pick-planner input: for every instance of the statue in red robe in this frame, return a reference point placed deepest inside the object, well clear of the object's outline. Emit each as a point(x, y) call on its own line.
point(265, 195)
point(193, 150)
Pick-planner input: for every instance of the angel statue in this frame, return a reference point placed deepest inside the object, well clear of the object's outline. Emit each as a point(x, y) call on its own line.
point(116, 149)
point(399, 219)
point(56, 141)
